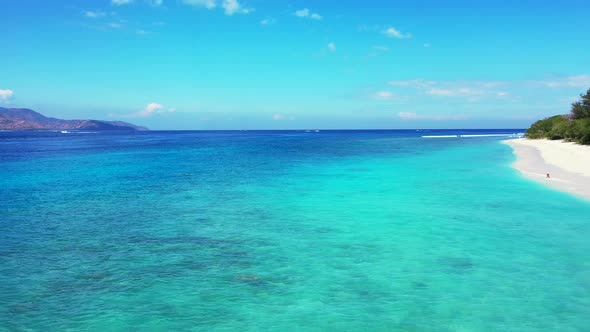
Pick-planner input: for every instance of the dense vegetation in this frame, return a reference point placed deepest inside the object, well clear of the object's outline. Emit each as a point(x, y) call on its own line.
point(573, 127)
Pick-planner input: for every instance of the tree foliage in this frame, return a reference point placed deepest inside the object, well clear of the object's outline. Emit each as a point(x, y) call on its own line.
point(581, 108)
point(573, 127)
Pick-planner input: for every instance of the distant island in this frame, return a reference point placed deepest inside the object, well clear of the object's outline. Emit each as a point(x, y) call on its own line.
point(26, 119)
point(573, 127)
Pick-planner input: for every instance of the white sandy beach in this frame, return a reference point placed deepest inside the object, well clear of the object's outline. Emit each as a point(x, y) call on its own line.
point(567, 163)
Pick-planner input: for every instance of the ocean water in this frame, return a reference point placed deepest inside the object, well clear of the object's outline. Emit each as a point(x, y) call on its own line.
point(279, 231)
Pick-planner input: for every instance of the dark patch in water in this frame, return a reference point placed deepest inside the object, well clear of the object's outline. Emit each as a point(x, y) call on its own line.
point(419, 285)
point(78, 286)
point(188, 264)
point(323, 230)
point(456, 264)
point(494, 205)
point(96, 276)
point(250, 279)
point(182, 175)
point(194, 240)
point(202, 220)
point(23, 307)
point(235, 254)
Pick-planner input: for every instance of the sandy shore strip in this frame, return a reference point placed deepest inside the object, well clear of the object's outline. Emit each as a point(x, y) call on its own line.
point(567, 163)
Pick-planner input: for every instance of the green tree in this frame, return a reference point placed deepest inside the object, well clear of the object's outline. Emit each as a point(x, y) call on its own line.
point(574, 127)
point(545, 128)
point(581, 109)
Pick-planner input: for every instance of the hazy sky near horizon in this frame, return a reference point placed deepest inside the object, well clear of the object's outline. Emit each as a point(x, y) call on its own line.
point(253, 64)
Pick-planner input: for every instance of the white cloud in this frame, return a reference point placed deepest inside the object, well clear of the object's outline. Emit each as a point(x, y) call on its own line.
point(268, 21)
point(151, 109)
point(233, 7)
point(121, 2)
point(209, 4)
point(302, 13)
point(230, 7)
point(332, 47)
point(453, 88)
point(394, 33)
point(488, 96)
point(410, 116)
point(6, 95)
point(471, 91)
point(384, 95)
point(306, 13)
point(142, 32)
point(94, 14)
point(115, 25)
point(569, 100)
point(371, 28)
point(453, 92)
point(281, 117)
point(577, 81)
point(415, 83)
point(156, 3)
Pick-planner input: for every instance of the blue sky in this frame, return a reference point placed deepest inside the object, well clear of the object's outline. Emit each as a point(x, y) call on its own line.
point(253, 64)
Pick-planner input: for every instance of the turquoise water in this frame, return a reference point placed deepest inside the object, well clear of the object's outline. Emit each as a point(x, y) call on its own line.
point(274, 231)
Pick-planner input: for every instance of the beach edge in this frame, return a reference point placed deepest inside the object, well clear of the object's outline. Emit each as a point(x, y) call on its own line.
point(533, 162)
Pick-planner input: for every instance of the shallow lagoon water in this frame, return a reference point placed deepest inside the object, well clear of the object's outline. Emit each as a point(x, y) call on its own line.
point(337, 230)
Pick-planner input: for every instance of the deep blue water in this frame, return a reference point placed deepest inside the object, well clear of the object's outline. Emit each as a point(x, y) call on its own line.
point(277, 230)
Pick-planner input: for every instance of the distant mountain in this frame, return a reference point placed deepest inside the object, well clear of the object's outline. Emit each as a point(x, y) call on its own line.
point(26, 119)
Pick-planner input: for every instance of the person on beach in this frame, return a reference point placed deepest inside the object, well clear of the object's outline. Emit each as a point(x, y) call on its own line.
point(548, 176)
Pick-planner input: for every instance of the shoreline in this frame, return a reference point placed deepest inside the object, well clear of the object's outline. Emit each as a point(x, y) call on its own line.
point(567, 163)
